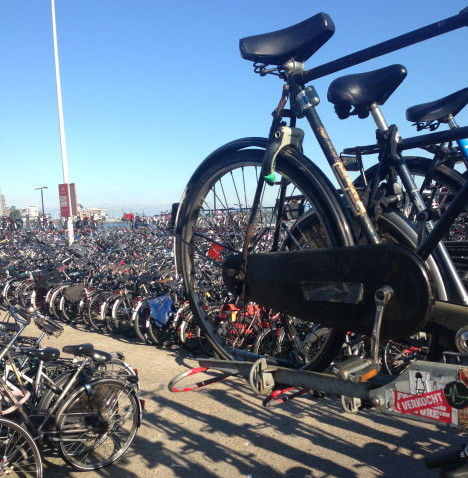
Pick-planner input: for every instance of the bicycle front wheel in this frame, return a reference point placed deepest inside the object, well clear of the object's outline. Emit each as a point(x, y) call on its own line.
point(122, 313)
point(95, 311)
point(211, 229)
point(20, 455)
point(95, 427)
point(140, 320)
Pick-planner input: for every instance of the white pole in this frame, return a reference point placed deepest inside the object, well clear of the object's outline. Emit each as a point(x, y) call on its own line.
point(63, 143)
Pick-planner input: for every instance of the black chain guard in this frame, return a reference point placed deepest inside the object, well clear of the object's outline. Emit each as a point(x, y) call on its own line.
point(336, 287)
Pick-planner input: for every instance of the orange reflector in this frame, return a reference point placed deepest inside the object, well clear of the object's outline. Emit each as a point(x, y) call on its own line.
point(370, 374)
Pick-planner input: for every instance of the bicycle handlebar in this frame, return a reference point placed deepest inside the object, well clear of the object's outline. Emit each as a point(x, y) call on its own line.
point(410, 38)
point(444, 458)
point(21, 316)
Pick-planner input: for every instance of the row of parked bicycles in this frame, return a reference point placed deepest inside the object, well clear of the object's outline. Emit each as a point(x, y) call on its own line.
point(81, 402)
point(123, 282)
point(116, 282)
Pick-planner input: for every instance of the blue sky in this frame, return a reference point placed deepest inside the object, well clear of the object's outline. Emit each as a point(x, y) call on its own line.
point(150, 88)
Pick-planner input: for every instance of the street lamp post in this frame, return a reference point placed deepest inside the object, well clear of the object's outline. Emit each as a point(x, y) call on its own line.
point(42, 197)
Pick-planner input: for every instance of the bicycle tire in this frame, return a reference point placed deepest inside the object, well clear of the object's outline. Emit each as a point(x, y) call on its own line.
point(159, 334)
point(140, 322)
point(9, 289)
point(69, 311)
point(23, 294)
point(122, 314)
point(20, 454)
point(106, 312)
point(95, 305)
point(269, 343)
point(54, 301)
point(197, 233)
point(95, 427)
point(191, 336)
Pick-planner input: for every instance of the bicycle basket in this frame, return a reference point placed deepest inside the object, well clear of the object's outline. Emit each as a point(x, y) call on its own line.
point(161, 309)
point(46, 279)
point(73, 293)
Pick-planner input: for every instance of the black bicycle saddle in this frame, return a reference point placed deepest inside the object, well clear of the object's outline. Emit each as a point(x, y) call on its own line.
point(439, 109)
point(298, 42)
point(363, 89)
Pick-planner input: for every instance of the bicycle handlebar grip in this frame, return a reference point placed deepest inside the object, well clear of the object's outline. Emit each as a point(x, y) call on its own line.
point(23, 316)
point(26, 314)
point(450, 457)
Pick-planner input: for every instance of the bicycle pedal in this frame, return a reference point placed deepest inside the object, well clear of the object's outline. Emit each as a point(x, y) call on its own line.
point(357, 369)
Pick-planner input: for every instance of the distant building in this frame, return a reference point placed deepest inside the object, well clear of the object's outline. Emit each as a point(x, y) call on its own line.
point(2, 205)
point(30, 211)
point(93, 212)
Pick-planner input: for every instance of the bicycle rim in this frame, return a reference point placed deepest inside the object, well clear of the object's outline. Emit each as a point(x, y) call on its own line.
point(20, 454)
point(122, 313)
point(211, 227)
point(141, 322)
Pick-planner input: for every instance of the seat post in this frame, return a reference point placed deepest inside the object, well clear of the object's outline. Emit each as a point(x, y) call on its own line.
point(378, 117)
point(462, 143)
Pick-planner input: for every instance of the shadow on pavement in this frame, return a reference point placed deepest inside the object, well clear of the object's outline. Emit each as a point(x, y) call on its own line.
point(223, 431)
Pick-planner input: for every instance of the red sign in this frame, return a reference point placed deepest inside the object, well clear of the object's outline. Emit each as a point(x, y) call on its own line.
point(432, 405)
point(64, 200)
point(215, 252)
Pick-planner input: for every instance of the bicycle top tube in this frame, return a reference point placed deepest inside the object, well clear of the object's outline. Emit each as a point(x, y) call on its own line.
point(416, 141)
point(402, 41)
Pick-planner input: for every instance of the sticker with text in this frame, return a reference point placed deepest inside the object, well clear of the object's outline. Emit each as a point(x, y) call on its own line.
point(431, 405)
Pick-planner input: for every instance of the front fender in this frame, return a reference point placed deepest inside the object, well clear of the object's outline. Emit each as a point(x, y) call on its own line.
point(232, 146)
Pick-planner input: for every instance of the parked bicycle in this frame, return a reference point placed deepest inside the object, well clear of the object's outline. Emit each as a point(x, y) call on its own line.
point(87, 407)
point(370, 260)
point(308, 213)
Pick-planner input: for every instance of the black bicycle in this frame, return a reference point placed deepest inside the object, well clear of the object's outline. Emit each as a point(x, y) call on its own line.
point(290, 242)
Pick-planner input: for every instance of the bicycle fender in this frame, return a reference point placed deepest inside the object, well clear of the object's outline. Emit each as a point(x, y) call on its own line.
point(284, 136)
point(232, 146)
